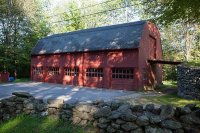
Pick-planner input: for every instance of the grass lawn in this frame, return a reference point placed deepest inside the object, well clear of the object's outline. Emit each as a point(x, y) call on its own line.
point(33, 124)
point(21, 80)
point(171, 98)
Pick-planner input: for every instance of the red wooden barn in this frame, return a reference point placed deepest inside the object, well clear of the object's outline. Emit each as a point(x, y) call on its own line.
point(112, 57)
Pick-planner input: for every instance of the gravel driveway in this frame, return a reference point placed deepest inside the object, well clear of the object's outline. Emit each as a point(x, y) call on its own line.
point(68, 93)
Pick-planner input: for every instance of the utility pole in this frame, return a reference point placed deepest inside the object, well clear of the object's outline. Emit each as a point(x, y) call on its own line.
point(126, 12)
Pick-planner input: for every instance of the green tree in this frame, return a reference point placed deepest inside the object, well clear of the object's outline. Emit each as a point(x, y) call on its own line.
point(20, 28)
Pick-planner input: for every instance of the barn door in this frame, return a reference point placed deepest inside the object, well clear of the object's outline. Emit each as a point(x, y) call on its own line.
point(152, 48)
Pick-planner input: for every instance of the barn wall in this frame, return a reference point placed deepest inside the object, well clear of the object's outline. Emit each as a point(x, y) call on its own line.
point(149, 75)
point(106, 60)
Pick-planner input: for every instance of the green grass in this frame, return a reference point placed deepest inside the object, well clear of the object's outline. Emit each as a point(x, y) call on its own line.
point(172, 99)
point(34, 124)
point(167, 84)
point(21, 80)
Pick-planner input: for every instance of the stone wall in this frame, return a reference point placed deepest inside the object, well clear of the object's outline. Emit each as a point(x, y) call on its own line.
point(188, 79)
point(108, 117)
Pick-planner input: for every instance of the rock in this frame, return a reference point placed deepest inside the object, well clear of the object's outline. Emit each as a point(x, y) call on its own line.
point(137, 108)
point(115, 115)
point(28, 101)
point(45, 113)
point(67, 112)
point(83, 108)
point(93, 110)
point(191, 106)
point(128, 116)
point(55, 103)
point(41, 107)
point(149, 107)
point(19, 100)
point(29, 106)
point(11, 104)
point(6, 116)
point(171, 124)
point(154, 119)
point(190, 130)
point(115, 105)
point(103, 112)
point(179, 131)
point(83, 122)
point(167, 111)
point(142, 120)
point(102, 131)
point(197, 113)
point(110, 129)
point(149, 129)
point(103, 126)
point(123, 108)
point(119, 121)
point(190, 119)
point(76, 120)
point(22, 94)
point(20, 106)
point(129, 126)
point(53, 111)
point(98, 101)
point(116, 126)
point(138, 130)
point(185, 110)
point(103, 120)
point(68, 106)
point(85, 116)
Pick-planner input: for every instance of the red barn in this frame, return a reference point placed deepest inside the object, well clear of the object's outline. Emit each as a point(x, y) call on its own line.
point(112, 57)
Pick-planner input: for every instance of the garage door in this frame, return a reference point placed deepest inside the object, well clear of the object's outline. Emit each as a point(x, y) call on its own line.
point(123, 78)
point(94, 77)
point(37, 74)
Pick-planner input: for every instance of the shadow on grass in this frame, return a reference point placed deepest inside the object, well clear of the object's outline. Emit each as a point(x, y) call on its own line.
point(34, 124)
point(22, 80)
point(172, 99)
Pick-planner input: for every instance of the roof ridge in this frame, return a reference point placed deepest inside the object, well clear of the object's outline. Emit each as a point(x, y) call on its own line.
point(97, 29)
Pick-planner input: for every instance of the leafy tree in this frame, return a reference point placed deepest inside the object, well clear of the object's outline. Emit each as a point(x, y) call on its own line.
point(170, 11)
point(21, 25)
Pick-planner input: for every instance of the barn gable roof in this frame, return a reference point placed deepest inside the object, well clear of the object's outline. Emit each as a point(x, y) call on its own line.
point(122, 36)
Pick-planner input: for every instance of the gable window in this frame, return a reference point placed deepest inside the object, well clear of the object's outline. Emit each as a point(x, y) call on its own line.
point(94, 72)
point(71, 71)
point(37, 70)
point(122, 73)
point(53, 70)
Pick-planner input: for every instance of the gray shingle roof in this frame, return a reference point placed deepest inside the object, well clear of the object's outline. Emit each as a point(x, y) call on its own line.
point(122, 36)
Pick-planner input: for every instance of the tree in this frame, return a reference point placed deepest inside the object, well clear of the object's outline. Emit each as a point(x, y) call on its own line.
point(170, 11)
point(21, 25)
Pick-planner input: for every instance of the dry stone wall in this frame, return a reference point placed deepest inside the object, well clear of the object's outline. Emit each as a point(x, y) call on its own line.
point(188, 79)
point(108, 117)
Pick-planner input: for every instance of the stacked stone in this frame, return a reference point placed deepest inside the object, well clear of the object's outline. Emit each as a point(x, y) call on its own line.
point(12, 106)
point(108, 117)
point(188, 82)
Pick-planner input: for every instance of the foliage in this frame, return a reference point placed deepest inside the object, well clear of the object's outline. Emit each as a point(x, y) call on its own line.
point(21, 80)
point(170, 11)
point(194, 63)
point(21, 25)
point(34, 124)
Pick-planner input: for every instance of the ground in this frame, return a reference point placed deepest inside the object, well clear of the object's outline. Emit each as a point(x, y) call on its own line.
point(165, 94)
point(68, 93)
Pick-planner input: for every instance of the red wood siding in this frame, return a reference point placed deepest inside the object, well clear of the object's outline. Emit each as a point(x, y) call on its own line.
point(150, 48)
point(105, 60)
